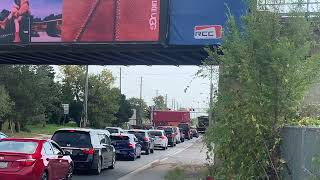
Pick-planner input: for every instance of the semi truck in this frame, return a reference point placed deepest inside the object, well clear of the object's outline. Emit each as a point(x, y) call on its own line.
point(203, 123)
point(170, 118)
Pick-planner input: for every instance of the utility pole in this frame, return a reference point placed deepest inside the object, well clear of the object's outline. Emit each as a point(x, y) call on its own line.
point(166, 100)
point(120, 81)
point(211, 94)
point(86, 88)
point(141, 111)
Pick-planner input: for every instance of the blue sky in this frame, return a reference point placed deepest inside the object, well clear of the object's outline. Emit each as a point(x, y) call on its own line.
point(170, 80)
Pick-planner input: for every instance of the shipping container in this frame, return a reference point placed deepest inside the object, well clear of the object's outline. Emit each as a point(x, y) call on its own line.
point(170, 118)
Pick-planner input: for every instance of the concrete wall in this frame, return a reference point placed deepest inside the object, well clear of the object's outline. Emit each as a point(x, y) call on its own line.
point(301, 150)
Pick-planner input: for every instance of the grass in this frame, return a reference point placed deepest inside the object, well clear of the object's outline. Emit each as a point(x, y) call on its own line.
point(36, 130)
point(192, 172)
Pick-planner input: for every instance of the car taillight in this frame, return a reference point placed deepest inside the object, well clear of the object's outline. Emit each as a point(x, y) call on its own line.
point(163, 137)
point(130, 145)
point(88, 151)
point(146, 139)
point(172, 135)
point(26, 162)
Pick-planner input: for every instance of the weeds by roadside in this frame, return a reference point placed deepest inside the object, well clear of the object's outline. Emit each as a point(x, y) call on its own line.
point(188, 172)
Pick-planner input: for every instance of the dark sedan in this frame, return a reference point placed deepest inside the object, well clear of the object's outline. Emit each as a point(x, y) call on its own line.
point(145, 139)
point(126, 145)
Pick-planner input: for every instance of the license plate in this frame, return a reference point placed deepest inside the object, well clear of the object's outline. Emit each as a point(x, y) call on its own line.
point(3, 165)
point(117, 151)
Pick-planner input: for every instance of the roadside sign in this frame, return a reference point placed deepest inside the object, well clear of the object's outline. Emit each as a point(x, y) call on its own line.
point(65, 108)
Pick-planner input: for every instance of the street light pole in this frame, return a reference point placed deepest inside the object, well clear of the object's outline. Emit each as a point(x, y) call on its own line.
point(86, 98)
point(211, 95)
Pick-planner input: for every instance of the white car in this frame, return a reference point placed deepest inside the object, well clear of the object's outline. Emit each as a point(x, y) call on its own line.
point(160, 138)
point(115, 130)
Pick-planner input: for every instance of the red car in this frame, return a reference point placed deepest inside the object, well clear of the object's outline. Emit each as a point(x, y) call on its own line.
point(33, 159)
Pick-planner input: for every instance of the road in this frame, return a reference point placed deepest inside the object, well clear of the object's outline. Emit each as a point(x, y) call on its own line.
point(153, 166)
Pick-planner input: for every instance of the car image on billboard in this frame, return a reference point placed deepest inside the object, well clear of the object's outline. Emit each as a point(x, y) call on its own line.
point(88, 21)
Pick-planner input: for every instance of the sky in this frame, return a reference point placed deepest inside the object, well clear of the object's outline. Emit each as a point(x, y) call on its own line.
point(39, 8)
point(163, 80)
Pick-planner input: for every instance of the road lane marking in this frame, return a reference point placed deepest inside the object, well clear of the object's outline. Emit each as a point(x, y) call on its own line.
point(127, 176)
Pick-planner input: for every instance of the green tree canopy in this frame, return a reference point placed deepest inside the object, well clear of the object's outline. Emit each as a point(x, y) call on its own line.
point(159, 102)
point(265, 71)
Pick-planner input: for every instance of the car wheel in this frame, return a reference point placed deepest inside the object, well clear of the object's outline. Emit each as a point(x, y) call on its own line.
point(99, 168)
point(172, 144)
point(152, 151)
point(147, 151)
point(133, 158)
point(113, 165)
point(44, 176)
point(70, 173)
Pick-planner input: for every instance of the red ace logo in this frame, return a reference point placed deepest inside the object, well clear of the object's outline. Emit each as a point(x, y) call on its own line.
point(208, 32)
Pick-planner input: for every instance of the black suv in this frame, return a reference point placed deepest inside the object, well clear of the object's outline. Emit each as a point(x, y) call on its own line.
point(145, 140)
point(90, 149)
point(186, 130)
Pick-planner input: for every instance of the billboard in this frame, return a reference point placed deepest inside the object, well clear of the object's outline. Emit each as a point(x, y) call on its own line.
point(201, 22)
point(82, 21)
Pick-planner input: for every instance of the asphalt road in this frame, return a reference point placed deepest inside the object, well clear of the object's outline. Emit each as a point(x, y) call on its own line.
point(131, 169)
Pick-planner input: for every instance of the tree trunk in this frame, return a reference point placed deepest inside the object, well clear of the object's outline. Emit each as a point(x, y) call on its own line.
point(17, 126)
point(1, 123)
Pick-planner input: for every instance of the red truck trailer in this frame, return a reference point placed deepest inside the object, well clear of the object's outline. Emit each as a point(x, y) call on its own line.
point(170, 118)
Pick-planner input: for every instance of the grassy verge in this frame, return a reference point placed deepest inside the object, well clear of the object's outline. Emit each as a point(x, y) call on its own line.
point(36, 130)
point(187, 172)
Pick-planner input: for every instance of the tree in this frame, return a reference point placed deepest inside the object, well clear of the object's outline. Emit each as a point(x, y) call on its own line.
point(5, 105)
point(103, 100)
point(72, 90)
point(159, 103)
point(135, 104)
point(124, 113)
point(265, 71)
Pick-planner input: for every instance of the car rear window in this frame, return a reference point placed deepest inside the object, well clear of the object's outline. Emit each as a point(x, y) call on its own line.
point(72, 138)
point(168, 129)
point(119, 138)
point(155, 133)
point(183, 126)
point(18, 147)
point(112, 130)
point(138, 134)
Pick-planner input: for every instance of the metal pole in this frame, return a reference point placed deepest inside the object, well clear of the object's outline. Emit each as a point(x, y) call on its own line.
point(166, 100)
point(211, 94)
point(86, 98)
point(141, 111)
point(120, 81)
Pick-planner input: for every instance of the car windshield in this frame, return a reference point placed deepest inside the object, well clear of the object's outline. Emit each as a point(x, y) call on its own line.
point(138, 134)
point(156, 133)
point(183, 126)
point(112, 130)
point(119, 138)
point(72, 138)
point(18, 147)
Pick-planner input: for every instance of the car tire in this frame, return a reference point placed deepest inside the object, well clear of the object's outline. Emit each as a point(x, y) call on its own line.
point(44, 176)
point(70, 173)
point(172, 144)
point(133, 158)
point(147, 151)
point(113, 165)
point(139, 155)
point(152, 151)
point(99, 168)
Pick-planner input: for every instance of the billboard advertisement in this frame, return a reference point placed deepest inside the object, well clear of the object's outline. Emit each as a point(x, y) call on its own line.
point(201, 22)
point(82, 21)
